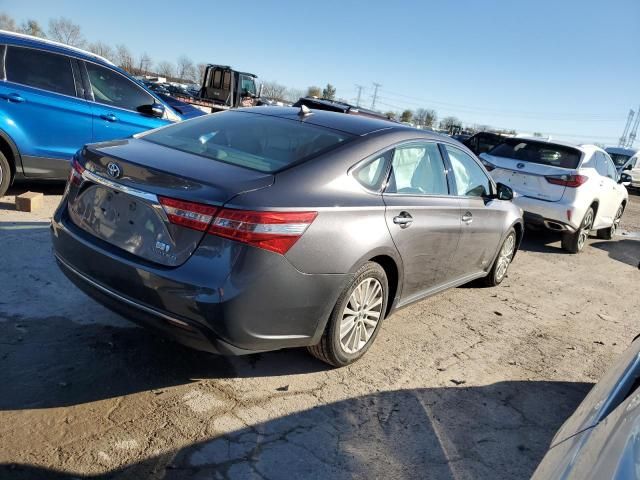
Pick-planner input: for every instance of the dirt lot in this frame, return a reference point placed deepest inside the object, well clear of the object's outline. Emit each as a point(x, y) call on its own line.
point(472, 383)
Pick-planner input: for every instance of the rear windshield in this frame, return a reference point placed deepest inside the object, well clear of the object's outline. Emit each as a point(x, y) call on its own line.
point(255, 141)
point(619, 158)
point(538, 152)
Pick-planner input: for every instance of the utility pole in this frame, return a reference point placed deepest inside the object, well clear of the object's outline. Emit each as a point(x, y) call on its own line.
point(359, 88)
point(375, 95)
point(634, 131)
point(623, 138)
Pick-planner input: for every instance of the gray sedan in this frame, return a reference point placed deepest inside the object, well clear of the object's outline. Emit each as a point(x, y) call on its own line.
point(268, 228)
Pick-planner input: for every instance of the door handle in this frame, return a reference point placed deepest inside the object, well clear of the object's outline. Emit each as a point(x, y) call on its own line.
point(13, 97)
point(467, 218)
point(404, 220)
point(109, 117)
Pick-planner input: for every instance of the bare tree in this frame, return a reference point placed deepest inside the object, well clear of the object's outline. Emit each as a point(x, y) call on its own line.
point(293, 94)
point(124, 58)
point(425, 117)
point(102, 49)
point(144, 64)
point(274, 91)
point(391, 115)
point(165, 69)
point(186, 70)
point(314, 92)
point(64, 30)
point(32, 27)
point(201, 67)
point(7, 23)
point(450, 124)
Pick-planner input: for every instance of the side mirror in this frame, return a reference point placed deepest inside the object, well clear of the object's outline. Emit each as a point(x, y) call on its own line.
point(624, 179)
point(627, 167)
point(504, 192)
point(153, 110)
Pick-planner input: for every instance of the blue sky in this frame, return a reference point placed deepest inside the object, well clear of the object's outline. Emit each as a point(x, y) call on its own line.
point(570, 69)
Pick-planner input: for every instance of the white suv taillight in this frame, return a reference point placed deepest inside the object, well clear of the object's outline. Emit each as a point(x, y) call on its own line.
point(572, 181)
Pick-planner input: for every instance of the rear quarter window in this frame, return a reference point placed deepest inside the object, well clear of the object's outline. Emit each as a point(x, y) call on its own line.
point(538, 152)
point(40, 69)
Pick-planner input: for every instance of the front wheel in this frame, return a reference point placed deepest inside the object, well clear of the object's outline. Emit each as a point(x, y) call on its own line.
point(503, 260)
point(5, 175)
point(356, 318)
point(609, 233)
point(575, 242)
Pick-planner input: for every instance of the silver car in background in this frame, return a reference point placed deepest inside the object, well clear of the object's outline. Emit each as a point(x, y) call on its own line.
point(267, 228)
point(601, 440)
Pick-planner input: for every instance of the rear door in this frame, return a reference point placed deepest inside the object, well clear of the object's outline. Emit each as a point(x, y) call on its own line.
point(422, 218)
point(42, 110)
point(482, 223)
point(115, 100)
point(609, 196)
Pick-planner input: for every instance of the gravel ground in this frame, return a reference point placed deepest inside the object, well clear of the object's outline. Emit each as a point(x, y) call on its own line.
point(471, 383)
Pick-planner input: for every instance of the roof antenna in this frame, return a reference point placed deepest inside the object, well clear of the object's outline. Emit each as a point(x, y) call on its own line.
point(304, 111)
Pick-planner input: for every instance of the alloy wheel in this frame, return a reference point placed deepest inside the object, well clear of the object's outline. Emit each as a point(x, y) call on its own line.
point(361, 315)
point(616, 221)
point(583, 234)
point(505, 256)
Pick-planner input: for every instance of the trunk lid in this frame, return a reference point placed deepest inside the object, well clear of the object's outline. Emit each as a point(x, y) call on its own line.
point(123, 208)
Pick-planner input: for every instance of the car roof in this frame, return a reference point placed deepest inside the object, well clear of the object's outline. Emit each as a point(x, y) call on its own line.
point(622, 150)
point(21, 39)
point(352, 124)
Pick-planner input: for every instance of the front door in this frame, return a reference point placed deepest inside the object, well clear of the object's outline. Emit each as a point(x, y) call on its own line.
point(423, 219)
point(115, 104)
point(42, 111)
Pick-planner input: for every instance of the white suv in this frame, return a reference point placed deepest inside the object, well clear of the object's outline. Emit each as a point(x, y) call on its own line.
point(626, 160)
point(563, 187)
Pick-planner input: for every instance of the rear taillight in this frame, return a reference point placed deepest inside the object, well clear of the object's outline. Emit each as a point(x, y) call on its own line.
point(572, 181)
point(76, 172)
point(274, 231)
point(188, 214)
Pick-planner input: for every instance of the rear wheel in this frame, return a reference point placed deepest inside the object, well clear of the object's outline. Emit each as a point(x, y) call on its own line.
point(575, 242)
point(356, 318)
point(502, 261)
point(609, 233)
point(5, 175)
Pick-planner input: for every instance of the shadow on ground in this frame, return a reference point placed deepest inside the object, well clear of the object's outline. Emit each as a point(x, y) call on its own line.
point(624, 250)
point(495, 431)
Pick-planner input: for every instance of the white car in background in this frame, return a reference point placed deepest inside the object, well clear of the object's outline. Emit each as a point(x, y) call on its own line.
point(562, 187)
point(626, 160)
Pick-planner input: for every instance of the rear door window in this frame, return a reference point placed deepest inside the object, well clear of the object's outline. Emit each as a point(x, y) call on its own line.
point(40, 69)
point(471, 181)
point(112, 88)
point(538, 152)
point(418, 169)
point(372, 174)
point(601, 164)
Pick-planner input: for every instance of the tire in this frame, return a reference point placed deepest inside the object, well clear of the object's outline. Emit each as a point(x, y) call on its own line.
point(5, 175)
point(609, 233)
point(341, 352)
point(575, 242)
point(501, 264)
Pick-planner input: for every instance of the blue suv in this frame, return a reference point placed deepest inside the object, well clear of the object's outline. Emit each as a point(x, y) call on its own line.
point(55, 98)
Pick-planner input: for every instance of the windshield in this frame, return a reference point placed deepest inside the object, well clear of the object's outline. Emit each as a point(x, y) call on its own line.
point(619, 159)
point(538, 152)
point(255, 141)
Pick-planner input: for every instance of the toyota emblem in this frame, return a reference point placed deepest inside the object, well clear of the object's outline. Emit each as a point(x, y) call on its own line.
point(113, 169)
point(520, 165)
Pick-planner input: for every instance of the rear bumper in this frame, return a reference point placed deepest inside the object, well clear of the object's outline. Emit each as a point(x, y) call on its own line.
point(226, 298)
point(556, 216)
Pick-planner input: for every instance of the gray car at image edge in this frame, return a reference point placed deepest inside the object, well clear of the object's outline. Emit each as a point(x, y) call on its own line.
point(267, 228)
